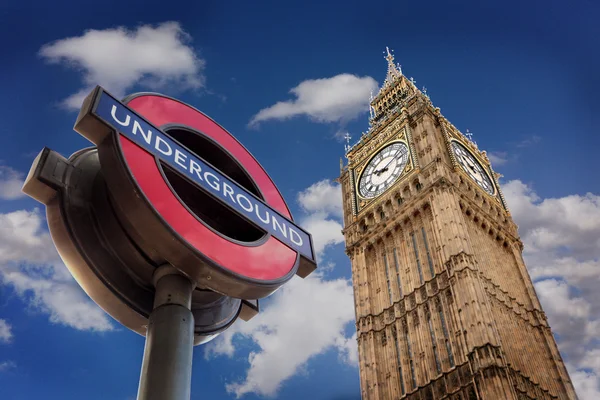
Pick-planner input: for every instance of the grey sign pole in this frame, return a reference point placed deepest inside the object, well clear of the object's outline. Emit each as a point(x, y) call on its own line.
point(167, 365)
point(109, 235)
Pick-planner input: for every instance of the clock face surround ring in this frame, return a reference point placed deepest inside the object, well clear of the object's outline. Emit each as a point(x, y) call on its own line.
point(383, 169)
point(472, 167)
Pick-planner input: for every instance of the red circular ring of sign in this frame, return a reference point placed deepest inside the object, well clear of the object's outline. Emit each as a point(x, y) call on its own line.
point(270, 260)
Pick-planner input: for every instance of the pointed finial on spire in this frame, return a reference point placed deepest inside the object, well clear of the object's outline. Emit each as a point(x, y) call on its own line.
point(412, 80)
point(347, 137)
point(424, 90)
point(469, 134)
point(394, 71)
point(390, 56)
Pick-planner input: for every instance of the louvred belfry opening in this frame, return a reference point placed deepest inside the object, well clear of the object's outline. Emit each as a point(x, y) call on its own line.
point(454, 298)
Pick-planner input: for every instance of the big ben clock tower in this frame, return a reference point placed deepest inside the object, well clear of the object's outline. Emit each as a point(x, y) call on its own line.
point(445, 307)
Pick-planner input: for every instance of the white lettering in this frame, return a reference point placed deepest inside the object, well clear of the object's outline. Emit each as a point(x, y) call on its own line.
point(215, 181)
point(228, 190)
point(295, 237)
point(160, 141)
point(113, 112)
point(138, 127)
point(240, 196)
point(266, 221)
point(195, 168)
point(281, 227)
point(180, 158)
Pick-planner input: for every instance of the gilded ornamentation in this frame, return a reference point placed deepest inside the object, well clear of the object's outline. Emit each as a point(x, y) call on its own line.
point(439, 265)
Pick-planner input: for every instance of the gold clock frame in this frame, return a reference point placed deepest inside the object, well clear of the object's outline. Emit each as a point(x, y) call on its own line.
point(360, 170)
point(484, 166)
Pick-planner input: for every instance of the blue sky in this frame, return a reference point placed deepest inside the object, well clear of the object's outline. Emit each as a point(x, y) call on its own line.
point(522, 77)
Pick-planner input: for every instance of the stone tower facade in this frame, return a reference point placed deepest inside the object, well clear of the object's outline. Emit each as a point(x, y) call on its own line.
point(445, 307)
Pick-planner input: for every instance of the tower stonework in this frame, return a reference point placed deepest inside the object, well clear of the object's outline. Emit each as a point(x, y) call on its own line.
point(445, 307)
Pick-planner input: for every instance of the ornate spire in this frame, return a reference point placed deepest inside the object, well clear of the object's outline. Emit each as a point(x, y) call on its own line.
point(394, 70)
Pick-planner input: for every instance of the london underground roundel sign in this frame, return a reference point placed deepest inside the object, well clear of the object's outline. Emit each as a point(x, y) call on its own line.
point(193, 195)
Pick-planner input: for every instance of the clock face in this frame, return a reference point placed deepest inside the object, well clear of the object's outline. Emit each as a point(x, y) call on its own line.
point(472, 167)
point(383, 170)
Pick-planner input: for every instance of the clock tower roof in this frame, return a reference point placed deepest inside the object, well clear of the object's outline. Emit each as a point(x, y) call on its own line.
point(395, 91)
point(395, 86)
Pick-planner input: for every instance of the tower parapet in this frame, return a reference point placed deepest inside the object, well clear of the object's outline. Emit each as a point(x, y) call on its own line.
point(444, 303)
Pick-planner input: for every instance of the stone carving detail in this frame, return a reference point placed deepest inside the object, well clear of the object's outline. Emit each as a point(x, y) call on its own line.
point(445, 313)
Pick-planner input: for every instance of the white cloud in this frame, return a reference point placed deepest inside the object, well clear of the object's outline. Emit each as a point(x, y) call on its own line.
point(6, 365)
point(498, 158)
point(303, 319)
point(529, 141)
point(30, 264)
point(348, 349)
point(336, 99)
point(585, 382)
point(118, 58)
point(571, 222)
point(323, 196)
point(562, 251)
point(322, 202)
point(6, 334)
point(11, 182)
point(325, 232)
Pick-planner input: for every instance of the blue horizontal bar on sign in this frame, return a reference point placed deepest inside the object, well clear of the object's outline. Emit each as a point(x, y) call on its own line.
point(134, 127)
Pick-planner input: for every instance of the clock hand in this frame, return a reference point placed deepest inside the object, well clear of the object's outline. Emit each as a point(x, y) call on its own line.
point(467, 161)
point(386, 165)
point(380, 171)
point(473, 169)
